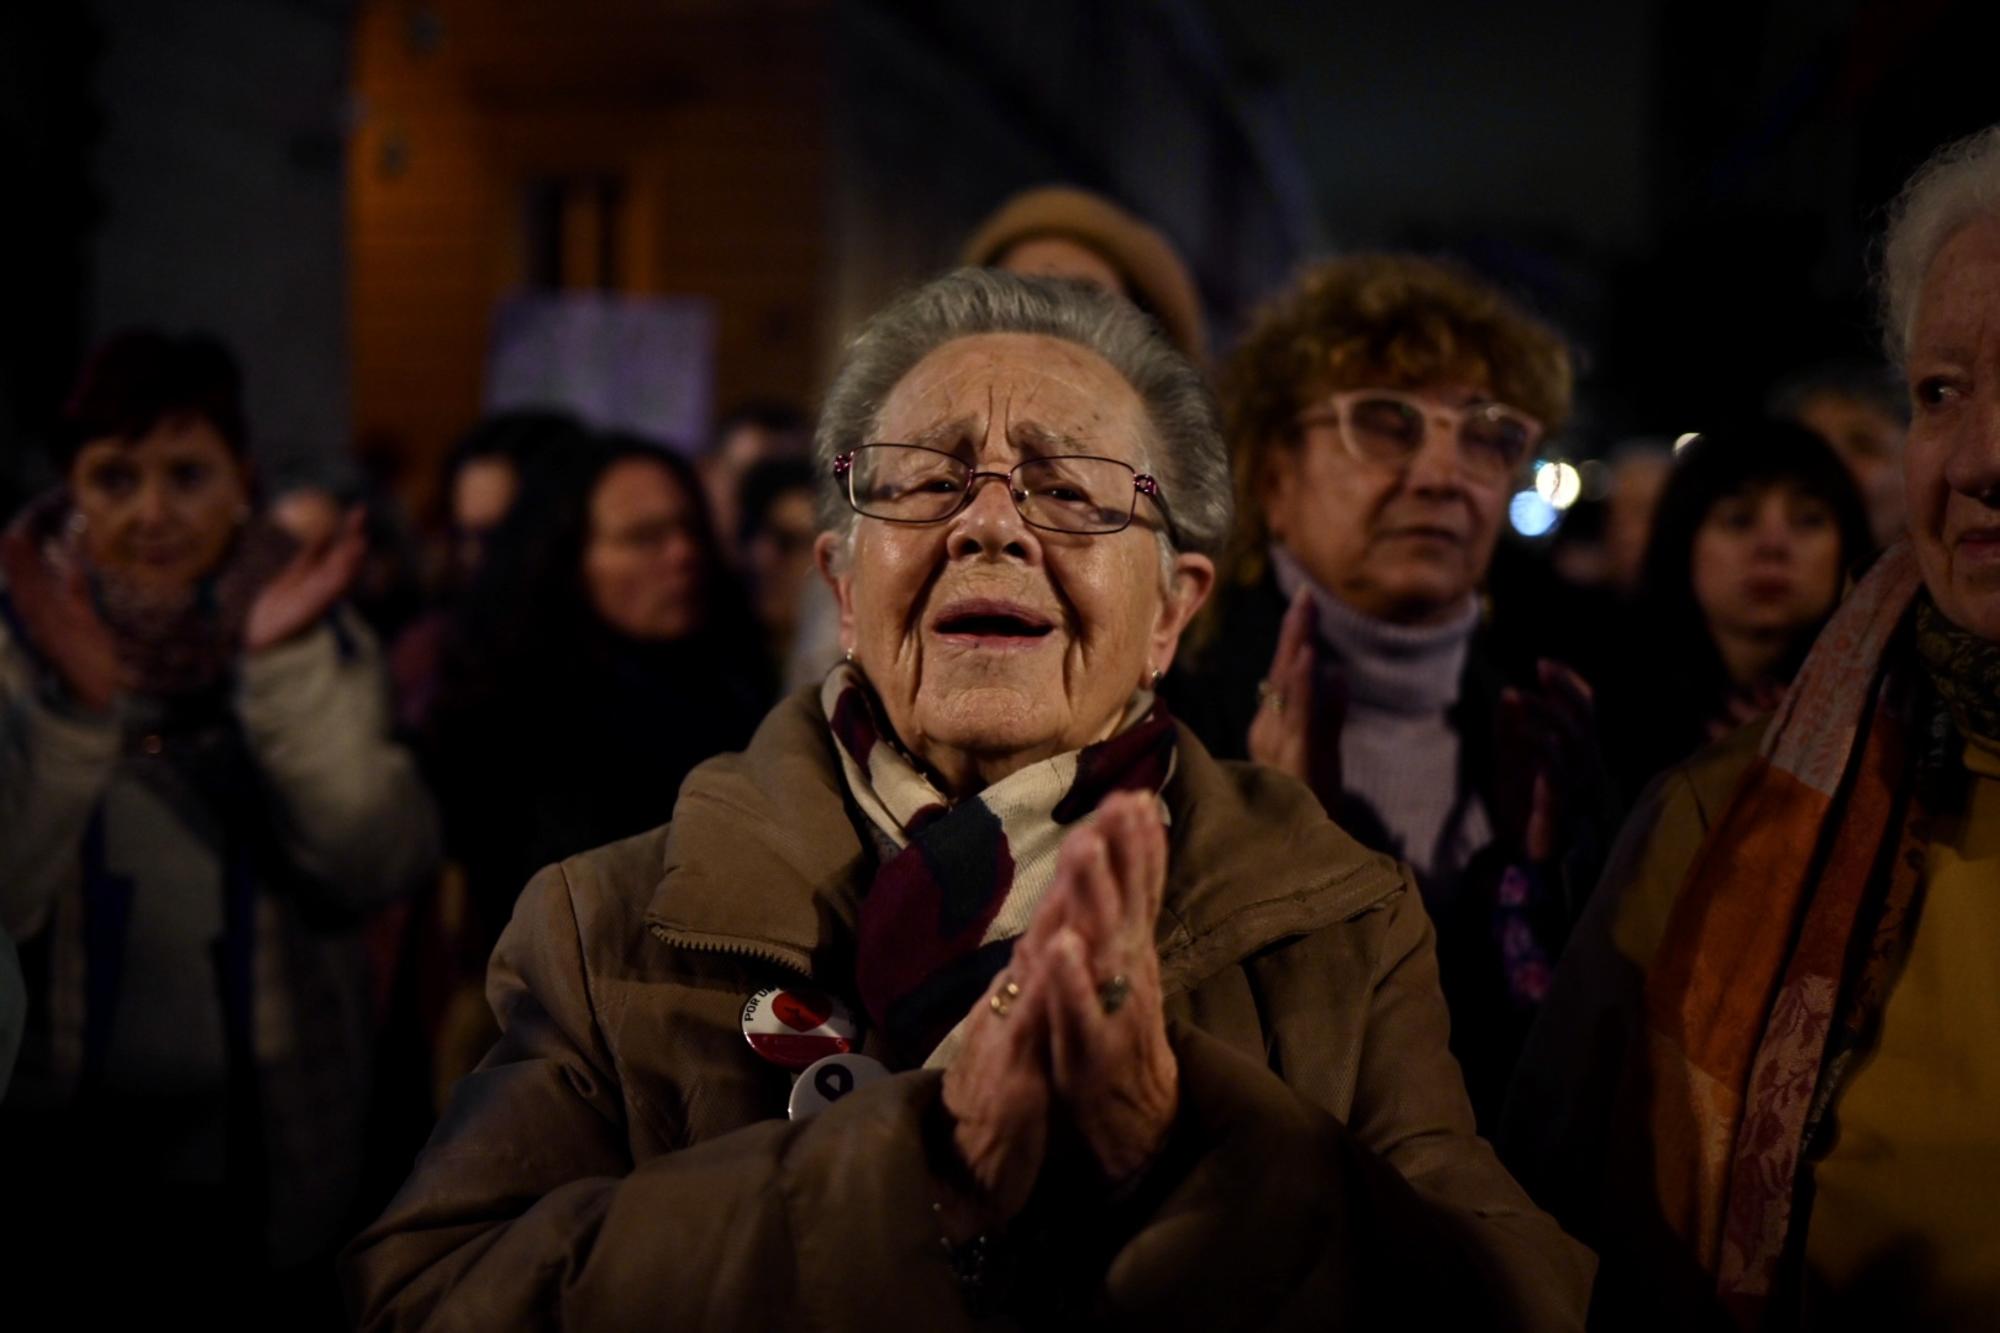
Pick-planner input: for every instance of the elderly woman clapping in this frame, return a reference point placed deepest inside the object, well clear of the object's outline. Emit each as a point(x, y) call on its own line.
point(1767, 1078)
point(1048, 1014)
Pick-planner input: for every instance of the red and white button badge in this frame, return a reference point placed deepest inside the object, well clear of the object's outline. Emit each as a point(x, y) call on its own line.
point(793, 1027)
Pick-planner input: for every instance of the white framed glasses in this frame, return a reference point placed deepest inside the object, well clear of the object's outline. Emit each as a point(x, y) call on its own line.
point(1389, 426)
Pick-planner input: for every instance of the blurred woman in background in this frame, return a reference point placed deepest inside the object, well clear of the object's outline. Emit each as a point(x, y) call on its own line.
point(1756, 533)
point(774, 538)
point(1060, 231)
point(1380, 412)
point(482, 481)
point(599, 655)
point(198, 800)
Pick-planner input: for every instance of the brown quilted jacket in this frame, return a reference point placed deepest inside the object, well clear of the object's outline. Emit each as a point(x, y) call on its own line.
point(622, 1159)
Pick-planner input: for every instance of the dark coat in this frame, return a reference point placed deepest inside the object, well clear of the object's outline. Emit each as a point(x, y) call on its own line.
point(1215, 692)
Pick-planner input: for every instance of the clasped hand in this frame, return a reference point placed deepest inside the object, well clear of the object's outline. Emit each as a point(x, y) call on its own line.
point(51, 595)
point(1073, 1031)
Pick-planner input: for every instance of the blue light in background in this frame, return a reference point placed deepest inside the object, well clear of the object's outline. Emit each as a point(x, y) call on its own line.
point(1531, 515)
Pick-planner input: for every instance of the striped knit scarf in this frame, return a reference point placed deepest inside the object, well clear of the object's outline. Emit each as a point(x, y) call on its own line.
point(957, 883)
point(1780, 948)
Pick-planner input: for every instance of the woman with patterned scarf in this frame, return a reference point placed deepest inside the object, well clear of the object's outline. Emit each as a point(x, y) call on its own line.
point(975, 992)
point(1768, 1079)
point(198, 800)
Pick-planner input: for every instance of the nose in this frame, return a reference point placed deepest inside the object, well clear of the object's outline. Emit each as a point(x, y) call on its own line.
point(1973, 467)
point(1437, 468)
point(1773, 536)
point(680, 550)
point(990, 525)
point(151, 506)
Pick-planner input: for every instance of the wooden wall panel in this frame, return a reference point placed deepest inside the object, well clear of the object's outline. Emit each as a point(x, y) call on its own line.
point(712, 118)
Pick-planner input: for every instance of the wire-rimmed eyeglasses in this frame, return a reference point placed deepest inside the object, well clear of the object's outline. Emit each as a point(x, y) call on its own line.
point(1074, 493)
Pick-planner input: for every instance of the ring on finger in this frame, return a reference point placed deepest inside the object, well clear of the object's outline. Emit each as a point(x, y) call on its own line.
point(1003, 999)
point(1270, 696)
point(1113, 994)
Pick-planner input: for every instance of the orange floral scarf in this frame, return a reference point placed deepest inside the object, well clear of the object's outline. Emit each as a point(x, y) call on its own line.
point(1765, 979)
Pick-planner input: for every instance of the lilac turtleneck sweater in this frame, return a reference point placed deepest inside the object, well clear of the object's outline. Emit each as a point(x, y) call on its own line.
point(1398, 752)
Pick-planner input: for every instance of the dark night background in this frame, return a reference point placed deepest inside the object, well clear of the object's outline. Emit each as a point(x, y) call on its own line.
point(343, 189)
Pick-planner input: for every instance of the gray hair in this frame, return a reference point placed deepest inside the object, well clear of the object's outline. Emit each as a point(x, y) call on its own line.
point(1185, 452)
point(1960, 184)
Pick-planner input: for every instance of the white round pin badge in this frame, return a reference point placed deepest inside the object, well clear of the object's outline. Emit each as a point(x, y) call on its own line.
point(826, 1081)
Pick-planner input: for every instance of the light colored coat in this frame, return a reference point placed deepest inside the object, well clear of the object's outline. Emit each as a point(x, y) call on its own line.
point(353, 827)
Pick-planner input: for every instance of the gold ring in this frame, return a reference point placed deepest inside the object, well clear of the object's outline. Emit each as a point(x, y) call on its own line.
point(1003, 999)
point(1113, 993)
point(1270, 696)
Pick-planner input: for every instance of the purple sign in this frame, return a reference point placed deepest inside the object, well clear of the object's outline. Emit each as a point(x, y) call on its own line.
point(644, 364)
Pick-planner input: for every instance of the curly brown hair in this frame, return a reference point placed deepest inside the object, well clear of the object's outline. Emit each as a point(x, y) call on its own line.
point(1388, 320)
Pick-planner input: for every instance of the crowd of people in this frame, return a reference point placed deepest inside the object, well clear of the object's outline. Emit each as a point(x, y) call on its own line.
point(1078, 831)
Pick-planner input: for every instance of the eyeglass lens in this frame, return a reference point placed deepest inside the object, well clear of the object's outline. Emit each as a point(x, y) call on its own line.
point(1493, 439)
point(912, 484)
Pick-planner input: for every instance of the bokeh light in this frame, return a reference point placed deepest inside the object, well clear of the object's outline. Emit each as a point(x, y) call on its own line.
point(1559, 483)
point(1531, 515)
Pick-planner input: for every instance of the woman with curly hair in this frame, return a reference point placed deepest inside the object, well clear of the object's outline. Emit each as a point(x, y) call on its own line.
point(1379, 413)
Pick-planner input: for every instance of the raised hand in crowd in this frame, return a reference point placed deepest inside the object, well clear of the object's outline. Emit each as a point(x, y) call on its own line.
point(51, 596)
point(1296, 729)
point(307, 587)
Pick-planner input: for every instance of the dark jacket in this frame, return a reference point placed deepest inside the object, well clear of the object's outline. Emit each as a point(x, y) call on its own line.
point(536, 761)
point(622, 1159)
point(1565, 1124)
point(1216, 694)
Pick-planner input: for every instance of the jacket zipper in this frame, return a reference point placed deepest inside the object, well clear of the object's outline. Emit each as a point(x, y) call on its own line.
point(730, 948)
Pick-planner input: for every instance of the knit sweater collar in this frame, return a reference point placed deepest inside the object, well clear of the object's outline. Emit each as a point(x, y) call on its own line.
point(1409, 669)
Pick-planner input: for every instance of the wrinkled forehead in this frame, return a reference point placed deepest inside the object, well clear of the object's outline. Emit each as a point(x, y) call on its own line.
point(1957, 315)
point(1015, 395)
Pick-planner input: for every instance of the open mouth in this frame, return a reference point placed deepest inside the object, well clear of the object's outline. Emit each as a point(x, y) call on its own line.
point(1427, 534)
point(992, 622)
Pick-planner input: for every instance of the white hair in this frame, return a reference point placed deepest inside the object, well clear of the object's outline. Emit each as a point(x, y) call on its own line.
point(1960, 184)
point(1191, 460)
